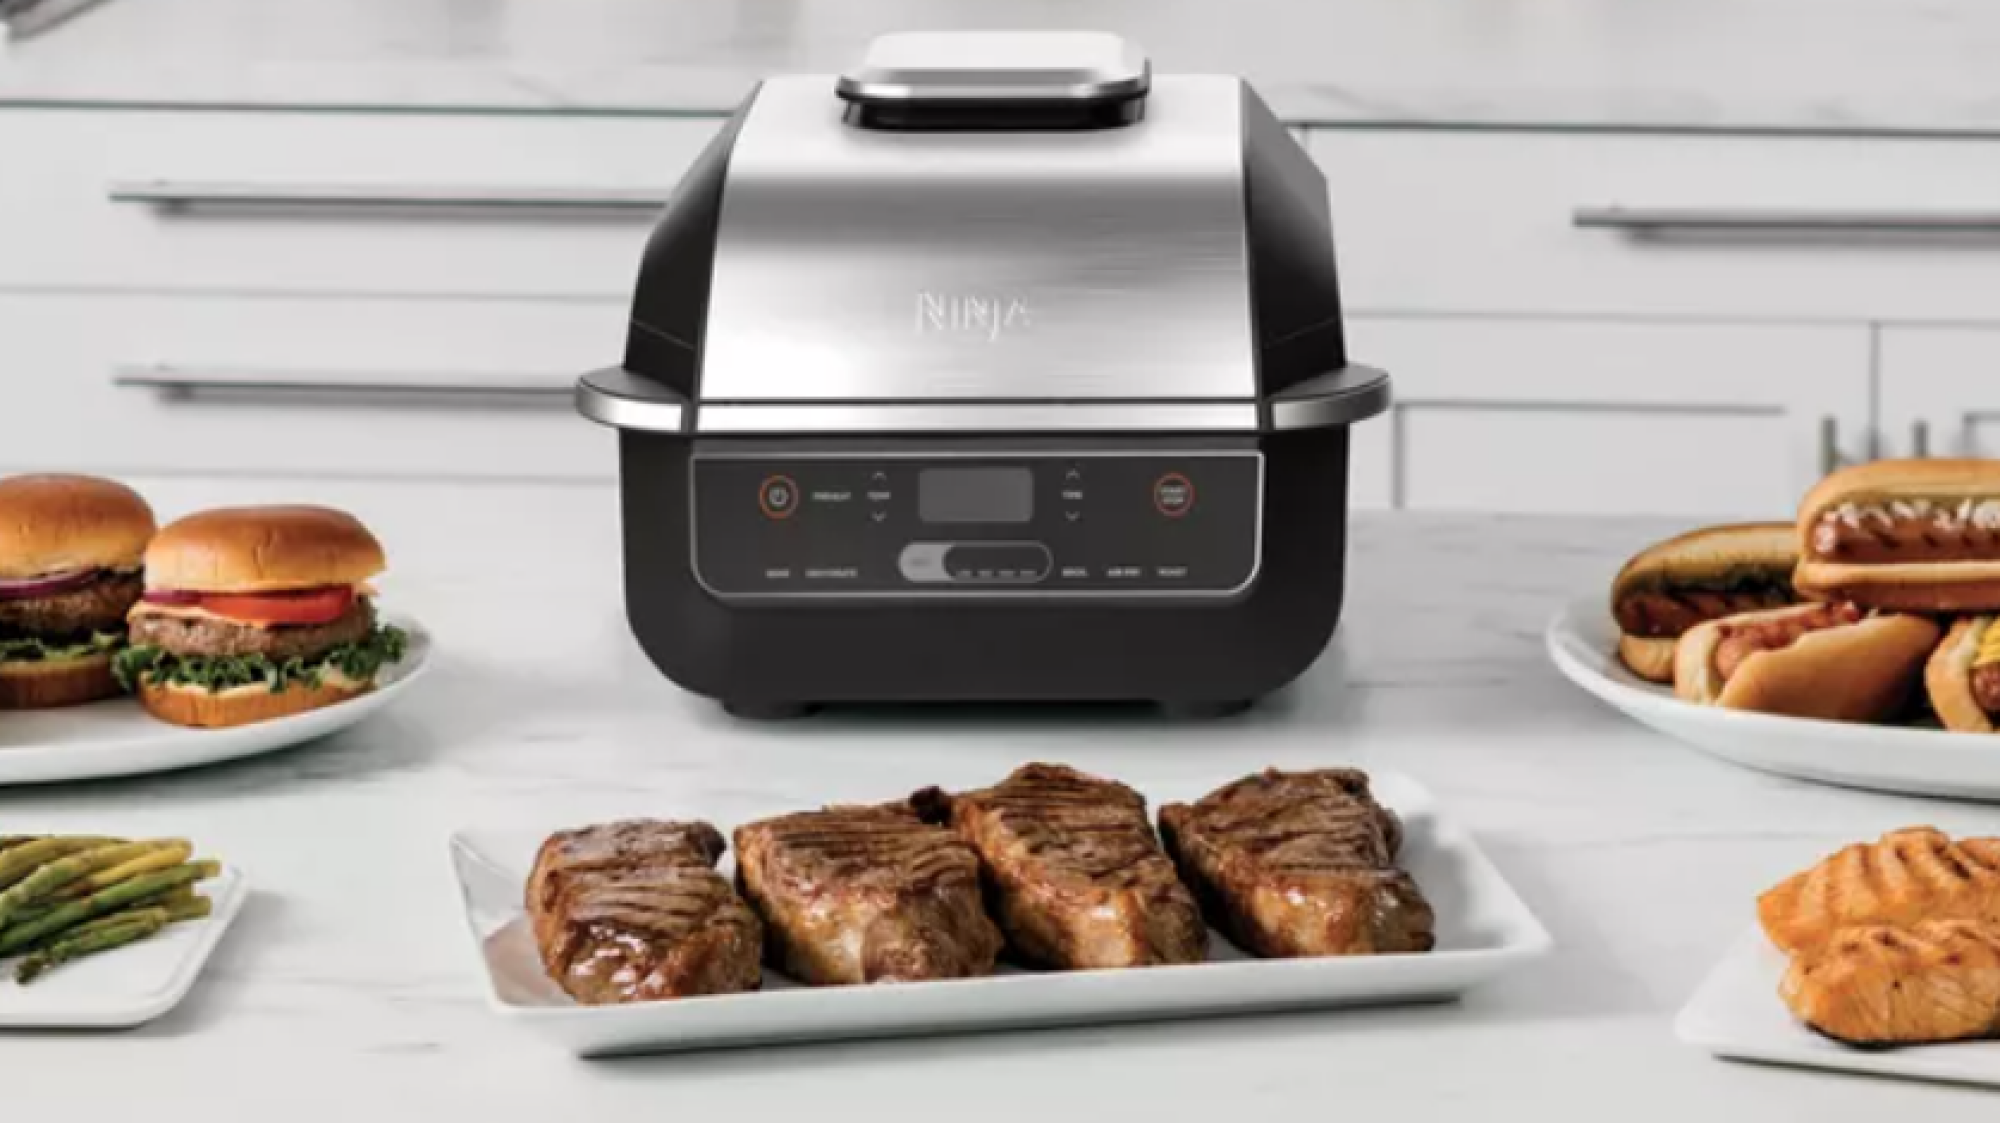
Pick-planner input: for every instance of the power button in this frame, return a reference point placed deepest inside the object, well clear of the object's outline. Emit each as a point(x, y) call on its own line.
point(1173, 495)
point(778, 497)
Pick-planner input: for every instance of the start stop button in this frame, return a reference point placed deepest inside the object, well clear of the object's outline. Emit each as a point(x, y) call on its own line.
point(778, 496)
point(1173, 495)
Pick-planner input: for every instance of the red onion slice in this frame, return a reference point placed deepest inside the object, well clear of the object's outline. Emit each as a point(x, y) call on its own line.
point(47, 585)
point(172, 596)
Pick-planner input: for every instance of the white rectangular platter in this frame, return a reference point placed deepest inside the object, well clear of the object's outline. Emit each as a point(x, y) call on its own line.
point(127, 986)
point(1483, 930)
point(1737, 1014)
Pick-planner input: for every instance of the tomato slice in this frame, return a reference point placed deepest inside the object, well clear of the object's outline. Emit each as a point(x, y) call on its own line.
point(310, 606)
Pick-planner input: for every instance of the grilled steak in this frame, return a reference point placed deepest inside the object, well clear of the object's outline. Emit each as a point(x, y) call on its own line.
point(634, 911)
point(1300, 864)
point(98, 606)
point(276, 642)
point(1077, 878)
point(866, 895)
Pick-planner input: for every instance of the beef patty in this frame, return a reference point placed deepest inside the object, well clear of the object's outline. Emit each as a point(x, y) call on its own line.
point(277, 642)
point(98, 606)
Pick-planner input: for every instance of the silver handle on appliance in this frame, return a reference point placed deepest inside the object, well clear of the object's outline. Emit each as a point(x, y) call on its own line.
point(1776, 220)
point(616, 397)
point(1342, 397)
point(175, 196)
point(187, 382)
point(1920, 439)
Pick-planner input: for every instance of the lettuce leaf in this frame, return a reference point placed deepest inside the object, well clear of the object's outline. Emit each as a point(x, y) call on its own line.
point(360, 661)
point(42, 651)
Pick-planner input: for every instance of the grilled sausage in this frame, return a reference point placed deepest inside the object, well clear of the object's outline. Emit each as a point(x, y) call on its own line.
point(1741, 641)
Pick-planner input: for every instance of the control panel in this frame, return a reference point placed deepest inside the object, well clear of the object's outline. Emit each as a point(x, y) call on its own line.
point(1154, 523)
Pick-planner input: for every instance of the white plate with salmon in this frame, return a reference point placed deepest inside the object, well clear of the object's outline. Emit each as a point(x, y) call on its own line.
point(1046, 899)
point(1883, 958)
point(1582, 641)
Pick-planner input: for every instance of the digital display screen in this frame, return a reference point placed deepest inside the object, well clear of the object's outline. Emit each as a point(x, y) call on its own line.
point(976, 495)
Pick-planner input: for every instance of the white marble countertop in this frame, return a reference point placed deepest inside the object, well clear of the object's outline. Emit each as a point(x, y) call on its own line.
point(1841, 65)
point(348, 988)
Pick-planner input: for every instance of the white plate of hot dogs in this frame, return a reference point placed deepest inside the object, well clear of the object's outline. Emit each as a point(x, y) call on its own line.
point(1583, 642)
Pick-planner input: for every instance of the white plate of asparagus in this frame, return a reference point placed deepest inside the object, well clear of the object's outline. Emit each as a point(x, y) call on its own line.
point(99, 932)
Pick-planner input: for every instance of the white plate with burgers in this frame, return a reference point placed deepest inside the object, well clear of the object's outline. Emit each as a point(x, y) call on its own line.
point(226, 634)
point(1856, 647)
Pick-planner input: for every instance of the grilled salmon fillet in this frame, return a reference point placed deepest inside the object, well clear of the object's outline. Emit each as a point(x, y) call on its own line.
point(1295, 864)
point(634, 911)
point(1076, 876)
point(1877, 985)
point(866, 895)
point(1910, 875)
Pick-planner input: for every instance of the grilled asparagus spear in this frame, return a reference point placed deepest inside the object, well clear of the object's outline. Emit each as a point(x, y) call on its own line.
point(139, 890)
point(52, 876)
point(88, 943)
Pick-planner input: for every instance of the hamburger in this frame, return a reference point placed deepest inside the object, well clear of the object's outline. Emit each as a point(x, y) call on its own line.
point(69, 569)
point(253, 613)
point(1829, 661)
point(1910, 535)
point(1670, 587)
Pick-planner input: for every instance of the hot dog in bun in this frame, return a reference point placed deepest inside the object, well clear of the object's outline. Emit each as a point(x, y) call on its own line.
point(1703, 575)
point(1914, 535)
point(1963, 676)
point(1829, 661)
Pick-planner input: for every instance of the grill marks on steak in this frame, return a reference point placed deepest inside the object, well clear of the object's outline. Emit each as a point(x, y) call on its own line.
point(1077, 877)
point(866, 895)
point(199, 635)
point(635, 911)
point(99, 606)
point(1294, 864)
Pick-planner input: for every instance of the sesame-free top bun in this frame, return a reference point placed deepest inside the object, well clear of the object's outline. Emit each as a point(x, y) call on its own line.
point(1711, 552)
point(57, 524)
point(262, 550)
point(1900, 479)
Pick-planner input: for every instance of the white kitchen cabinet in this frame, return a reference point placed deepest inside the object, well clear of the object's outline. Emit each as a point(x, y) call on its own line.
point(285, 386)
point(334, 203)
point(1719, 227)
point(1576, 416)
point(1940, 390)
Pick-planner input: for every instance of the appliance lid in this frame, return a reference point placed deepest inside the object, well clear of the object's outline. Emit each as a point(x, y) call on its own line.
point(1013, 67)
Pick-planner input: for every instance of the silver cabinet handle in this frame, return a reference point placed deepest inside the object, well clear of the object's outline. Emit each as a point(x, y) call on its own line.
point(183, 383)
point(1342, 397)
point(1920, 439)
point(175, 196)
point(1829, 445)
point(1752, 220)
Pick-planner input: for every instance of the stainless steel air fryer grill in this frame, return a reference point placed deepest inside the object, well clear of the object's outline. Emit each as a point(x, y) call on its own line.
point(998, 369)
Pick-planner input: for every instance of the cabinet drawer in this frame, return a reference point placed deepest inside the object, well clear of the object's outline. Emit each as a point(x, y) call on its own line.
point(1940, 390)
point(334, 203)
point(1755, 227)
point(1605, 417)
point(435, 388)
